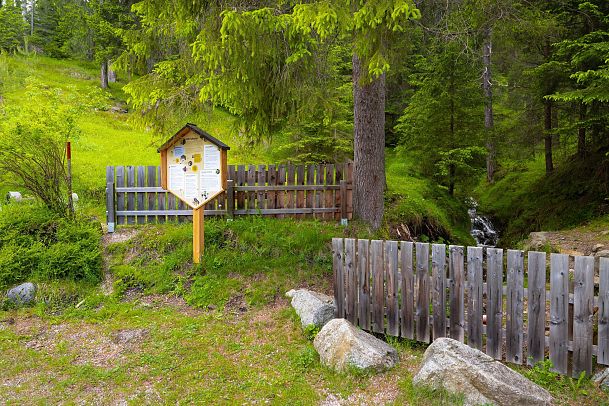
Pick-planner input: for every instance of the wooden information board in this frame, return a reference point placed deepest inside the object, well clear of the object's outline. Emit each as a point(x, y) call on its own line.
point(194, 169)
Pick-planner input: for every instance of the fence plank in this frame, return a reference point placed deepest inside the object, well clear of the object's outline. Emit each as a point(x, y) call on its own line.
point(603, 313)
point(422, 281)
point(160, 197)
point(251, 181)
point(281, 197)
point(494, 304)
point(582, 315)
point(300, 195)
point(120, 197)
point(319, 180)
point(536, 307)
point(338, 265)
point(329, 194)
point(351, 281)
point(141, 182)
point(559, 312)
point(310, 199)
point(272, 181)
point(130, 196)
point(378, 296)
point(110, 199)
point(261, 182)
point(349, 178)
point(515, 306)
point(407, 305)
point(182, 206)
point(474, 295)
point(391, 276)
point(240, 181)
point(151, 197)
point(457, 282)
point(291, 179)
point(438, 270)
point(363, 280)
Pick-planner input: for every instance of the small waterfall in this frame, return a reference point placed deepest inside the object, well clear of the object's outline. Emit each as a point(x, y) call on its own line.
point(482, 229)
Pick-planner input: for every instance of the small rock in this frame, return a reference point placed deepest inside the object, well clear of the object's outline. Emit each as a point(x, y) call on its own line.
point(536, 241)
point(341, 345)
point(461, 369)
point(597, 248)
point(312, 307)
point(602, 378)
point(23, 294)
point(602, 254)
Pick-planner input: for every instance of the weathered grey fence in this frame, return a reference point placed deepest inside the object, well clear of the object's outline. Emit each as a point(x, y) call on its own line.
point(387, 287)
point(134, 194)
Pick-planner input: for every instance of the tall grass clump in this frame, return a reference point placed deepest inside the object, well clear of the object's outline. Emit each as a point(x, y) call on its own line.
point(39, 245)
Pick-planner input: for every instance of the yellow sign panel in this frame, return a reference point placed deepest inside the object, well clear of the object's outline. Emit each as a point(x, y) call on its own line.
point(194, 170)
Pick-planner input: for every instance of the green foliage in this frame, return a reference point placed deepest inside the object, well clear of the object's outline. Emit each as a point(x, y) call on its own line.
point(12, 28)
point(542, 373)
point(34, 136)
point(36, 244)
point(306, 357)
point(444, 117)
point(311, 331)
point(422, 395)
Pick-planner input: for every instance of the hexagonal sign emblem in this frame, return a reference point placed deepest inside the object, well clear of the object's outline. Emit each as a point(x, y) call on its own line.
point(194, 166)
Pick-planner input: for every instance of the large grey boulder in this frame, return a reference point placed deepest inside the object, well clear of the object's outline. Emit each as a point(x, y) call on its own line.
point(312, 307)
point(23, 294)
point(342, 345)
point(459, 368)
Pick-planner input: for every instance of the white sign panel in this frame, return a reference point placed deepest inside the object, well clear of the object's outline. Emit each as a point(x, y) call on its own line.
point(194, 170)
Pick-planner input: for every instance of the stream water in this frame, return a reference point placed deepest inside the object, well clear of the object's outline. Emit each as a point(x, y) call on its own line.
point(482, 228)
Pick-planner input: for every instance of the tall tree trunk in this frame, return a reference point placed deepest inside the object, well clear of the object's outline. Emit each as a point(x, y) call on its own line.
point(369, 146)
point(489, 124)
point(451, 167)
point(104, 75)
point(548, 135)
point(581, 132)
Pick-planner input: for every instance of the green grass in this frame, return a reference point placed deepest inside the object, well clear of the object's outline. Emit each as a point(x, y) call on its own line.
point(421, 204)
point(524, 199)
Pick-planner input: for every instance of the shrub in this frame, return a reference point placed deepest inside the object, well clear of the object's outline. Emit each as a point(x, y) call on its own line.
point(37, 244)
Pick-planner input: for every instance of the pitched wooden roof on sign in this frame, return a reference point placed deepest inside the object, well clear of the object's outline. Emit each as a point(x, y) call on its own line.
point(201, 133)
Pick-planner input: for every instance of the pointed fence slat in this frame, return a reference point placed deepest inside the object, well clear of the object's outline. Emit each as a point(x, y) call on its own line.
point(407, 291)
point(363, 281)
point(515, 306)
point(120, 197)
point(494, 305)
point(474, 294)
point(422, 281)
point(438, 270)
point(130, 196)
point(141, 182)
point(391, 277)
point(536, 307)
point(559, 312)
point(582, 315)
point(339, 266)
point(378, 286)
point(603, 313)
point(351, 281)
point(457, 284)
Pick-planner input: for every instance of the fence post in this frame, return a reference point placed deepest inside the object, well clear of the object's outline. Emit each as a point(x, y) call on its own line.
point(343, 203)
point(230, 199)
point(110, 212)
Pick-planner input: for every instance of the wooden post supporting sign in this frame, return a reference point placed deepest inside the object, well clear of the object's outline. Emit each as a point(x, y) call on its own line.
point(198, 234)
point(194, 169)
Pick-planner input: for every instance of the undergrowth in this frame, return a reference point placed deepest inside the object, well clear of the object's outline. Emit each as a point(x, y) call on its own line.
point(37, 245)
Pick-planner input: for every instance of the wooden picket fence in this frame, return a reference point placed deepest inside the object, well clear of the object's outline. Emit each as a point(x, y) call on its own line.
point(134, 194)
point(386, 287)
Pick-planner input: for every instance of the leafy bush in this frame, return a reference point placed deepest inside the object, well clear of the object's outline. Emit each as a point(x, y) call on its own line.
point(36, 244)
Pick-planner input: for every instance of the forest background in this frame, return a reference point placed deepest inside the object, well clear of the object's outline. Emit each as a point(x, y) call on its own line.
point(505, 102)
